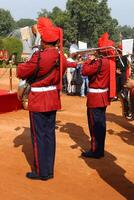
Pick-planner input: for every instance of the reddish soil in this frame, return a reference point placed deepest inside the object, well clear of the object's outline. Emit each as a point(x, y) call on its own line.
point(109, 178)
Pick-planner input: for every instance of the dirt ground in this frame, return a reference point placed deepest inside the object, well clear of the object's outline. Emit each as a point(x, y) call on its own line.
point(108, 178)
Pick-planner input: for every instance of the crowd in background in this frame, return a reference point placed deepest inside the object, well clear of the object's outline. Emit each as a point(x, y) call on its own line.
point(73, 81)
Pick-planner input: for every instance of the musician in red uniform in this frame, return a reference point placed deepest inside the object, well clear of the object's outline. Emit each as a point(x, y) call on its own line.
point(98, 71)
point(44, 98)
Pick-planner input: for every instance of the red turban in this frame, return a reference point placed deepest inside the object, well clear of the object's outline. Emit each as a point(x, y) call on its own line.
point(48, 32)
point(44, 22)
point(104, 41)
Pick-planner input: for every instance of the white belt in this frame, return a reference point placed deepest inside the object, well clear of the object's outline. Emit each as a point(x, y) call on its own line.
point(43, 89)
point(93, 90)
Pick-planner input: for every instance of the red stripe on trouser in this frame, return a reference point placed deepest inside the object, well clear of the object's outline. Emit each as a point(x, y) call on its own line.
point(35, 145)
point(93, 141)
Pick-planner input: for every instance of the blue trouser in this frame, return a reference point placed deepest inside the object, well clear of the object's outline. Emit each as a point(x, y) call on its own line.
point(43, 138)
point(84, 85)
point(97, 128)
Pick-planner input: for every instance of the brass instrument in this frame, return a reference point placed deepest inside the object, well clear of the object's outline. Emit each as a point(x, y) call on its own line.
point(93, 49)
point(97, 52)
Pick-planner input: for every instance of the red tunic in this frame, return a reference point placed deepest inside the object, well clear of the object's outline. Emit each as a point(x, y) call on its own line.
point(47, 100)
point(101, 81)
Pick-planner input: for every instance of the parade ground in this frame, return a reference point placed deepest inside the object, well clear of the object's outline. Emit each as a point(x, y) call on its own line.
point(75, 178)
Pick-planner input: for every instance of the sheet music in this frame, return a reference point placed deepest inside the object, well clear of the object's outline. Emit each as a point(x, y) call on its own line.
point(127, 46)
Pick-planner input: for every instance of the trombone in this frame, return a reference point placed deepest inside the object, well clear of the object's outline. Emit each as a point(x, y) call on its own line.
point(93, 51)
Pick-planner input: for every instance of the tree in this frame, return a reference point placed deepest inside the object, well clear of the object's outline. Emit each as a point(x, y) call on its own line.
point(7, 23)
point(1, 43)
point(127, 32)
point(84, 20)
point(90, 19)
point(58, 17)
point(13, 45)
point(43, 13)
point(62, 19)
point(25, 22)
point(105, 22)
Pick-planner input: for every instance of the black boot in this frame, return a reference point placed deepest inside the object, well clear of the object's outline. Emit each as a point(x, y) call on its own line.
point(35, 176)
point(91, 154)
